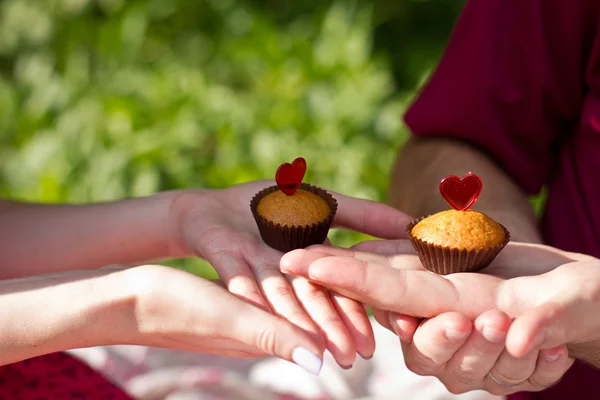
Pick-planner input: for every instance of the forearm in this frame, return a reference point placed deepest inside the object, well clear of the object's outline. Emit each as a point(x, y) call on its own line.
point(422, 163)
point(50, 313)
point(39, 238)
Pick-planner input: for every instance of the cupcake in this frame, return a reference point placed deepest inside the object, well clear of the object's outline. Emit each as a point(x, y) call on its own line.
point(293, 215)
point(459, 239)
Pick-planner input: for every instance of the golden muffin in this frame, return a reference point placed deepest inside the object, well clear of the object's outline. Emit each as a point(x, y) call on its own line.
point(470, 230)
point(300, 209)
point(287, 222)
point(457, 241)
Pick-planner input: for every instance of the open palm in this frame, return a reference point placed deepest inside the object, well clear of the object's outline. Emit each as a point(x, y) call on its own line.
point(221, 229)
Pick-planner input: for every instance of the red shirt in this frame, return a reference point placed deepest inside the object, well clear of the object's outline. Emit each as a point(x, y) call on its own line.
point(520, 80)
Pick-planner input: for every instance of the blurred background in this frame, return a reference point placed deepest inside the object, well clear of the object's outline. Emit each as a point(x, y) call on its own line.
point(104, 99)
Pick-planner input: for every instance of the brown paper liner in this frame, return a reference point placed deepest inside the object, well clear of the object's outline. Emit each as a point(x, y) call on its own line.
point(445, 260)
point(285, 238)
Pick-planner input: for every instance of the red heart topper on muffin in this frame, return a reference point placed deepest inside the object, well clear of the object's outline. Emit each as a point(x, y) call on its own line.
point(289, 176)
point(461, 193)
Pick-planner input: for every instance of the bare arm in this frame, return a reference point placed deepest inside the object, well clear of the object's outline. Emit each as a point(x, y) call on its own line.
point(422, 163)
point(41, 238)
point(147, 305)
point(38, 315)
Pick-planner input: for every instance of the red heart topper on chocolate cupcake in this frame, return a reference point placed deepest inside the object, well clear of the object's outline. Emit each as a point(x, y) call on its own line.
point(461, 193)
point(289, 176)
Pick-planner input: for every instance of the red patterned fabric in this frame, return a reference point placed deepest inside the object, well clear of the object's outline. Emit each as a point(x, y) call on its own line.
point(56, 376)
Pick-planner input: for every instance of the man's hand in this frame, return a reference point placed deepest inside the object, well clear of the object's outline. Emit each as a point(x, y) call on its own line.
point(447, 345)
point(465, 355)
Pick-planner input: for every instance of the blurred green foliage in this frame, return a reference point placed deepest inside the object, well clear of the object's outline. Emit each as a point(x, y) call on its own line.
point(105, 99)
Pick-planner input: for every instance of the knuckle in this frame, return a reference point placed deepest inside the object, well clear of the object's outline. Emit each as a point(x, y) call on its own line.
point(305, 289)
point(508, 378)
point(279, 291)
point(464, 378)
point(539, 385)
point(541, 381)
point(418, 366)
point(267, 341)
point(456, 387)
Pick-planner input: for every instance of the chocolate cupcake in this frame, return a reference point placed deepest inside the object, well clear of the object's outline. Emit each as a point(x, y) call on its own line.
point(458, 240)
point(293, 215)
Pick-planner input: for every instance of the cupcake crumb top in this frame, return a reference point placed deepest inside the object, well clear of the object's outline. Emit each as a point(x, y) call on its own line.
point(301, 209)
point(470, 230)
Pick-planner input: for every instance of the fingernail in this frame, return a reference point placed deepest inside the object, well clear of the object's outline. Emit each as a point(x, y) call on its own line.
point(392, 322)
point(552, 354)
point(493, 335)
point(455, 335)
point(365, 357)
point(346, 367)
point(307, 360)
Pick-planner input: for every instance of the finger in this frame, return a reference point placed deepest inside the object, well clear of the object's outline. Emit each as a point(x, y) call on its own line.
point(237, 277)
point(405, 258)
point(468, 368)
point(370, 217)
point(551, 366)
point(402, 325)
point(317, 304)
point(264, 331)
point(547, 323)
point(354, 316)
point(510, 371)
point(385, 247)
point(395, 290)
point(435, 342)
point(560, 318)
point(319, 251)
point(281, 297)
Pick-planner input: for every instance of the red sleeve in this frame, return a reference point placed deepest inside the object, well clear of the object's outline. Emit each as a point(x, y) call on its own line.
point(511, 83)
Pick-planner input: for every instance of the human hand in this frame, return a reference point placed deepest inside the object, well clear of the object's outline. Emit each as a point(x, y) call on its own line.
point(217, 225)
point(170, 308)
point(470, 355)
point(459, 362)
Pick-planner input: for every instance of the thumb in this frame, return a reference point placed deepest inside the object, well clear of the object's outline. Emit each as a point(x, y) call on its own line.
point(273, 335)
point(553, 323)
point(568, 313)
point(370, 217)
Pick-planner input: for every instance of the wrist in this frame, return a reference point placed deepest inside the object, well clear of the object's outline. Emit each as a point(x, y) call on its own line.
point(159, 220)
point(188, 211)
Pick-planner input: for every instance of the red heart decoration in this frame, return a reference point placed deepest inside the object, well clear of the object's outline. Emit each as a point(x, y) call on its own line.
point(289, 176)
point(461, 193)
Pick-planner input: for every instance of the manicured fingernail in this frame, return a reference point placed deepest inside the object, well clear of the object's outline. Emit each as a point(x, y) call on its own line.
point(552, 354)
point(307, 360)
point(455, 335)
point(493, 335)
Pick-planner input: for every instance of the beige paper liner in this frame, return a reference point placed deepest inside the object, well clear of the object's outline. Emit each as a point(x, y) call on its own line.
point(445, 260)
point(285, 238)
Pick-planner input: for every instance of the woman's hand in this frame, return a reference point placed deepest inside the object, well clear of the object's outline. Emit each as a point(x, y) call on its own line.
point(147, 305)
point(218, 226)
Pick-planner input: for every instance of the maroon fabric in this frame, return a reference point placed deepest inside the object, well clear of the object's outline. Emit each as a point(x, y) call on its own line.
point(520, 79)
point(56, 376)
